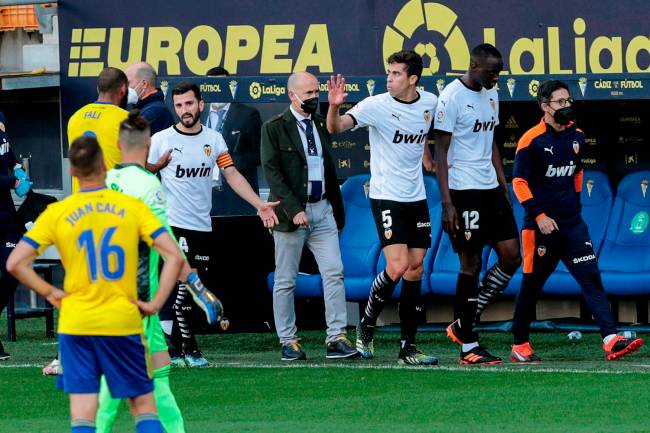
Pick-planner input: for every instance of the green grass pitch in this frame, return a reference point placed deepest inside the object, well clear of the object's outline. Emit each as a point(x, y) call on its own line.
point(249, 390)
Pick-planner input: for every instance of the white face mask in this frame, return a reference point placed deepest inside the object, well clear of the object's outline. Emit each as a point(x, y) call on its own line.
point(133, 98)
point(216, 106)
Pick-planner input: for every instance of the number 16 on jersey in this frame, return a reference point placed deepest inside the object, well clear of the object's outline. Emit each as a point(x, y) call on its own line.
point(110, 262)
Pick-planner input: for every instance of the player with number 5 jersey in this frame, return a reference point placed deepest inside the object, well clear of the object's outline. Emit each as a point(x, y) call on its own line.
point(398, 122)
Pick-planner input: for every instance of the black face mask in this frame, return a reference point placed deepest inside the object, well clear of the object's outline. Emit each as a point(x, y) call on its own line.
point(564, 116)
point(309, 106)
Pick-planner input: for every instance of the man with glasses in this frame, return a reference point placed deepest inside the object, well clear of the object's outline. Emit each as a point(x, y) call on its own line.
point(547, 180)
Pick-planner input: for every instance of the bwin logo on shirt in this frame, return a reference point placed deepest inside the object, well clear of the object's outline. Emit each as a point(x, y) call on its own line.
point(409, 138)
point(484, 126)
point(202, 171)
point(566, 170)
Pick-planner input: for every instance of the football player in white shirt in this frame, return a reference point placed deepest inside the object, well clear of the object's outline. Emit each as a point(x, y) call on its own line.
point(187, 183)
point(398, 123)
point(476, 205)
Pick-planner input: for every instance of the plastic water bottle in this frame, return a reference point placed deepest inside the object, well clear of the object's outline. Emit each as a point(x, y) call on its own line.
point(574, 336)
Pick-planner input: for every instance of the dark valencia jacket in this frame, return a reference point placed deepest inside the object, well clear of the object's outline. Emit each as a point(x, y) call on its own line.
point(548, 172)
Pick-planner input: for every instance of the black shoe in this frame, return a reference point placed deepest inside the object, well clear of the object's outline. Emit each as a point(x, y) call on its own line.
point(365, 344)
point(293, 352)
point(411, 355)
point(478, 355)
point(341, 348)
point(3, 355)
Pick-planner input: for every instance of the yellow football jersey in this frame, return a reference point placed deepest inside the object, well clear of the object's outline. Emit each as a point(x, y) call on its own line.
point(97, 234)
point(102, 119)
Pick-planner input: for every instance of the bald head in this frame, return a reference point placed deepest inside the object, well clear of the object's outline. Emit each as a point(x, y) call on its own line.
point(302, 86)
point(141, 71)
point(299, 80)
point(142, 77)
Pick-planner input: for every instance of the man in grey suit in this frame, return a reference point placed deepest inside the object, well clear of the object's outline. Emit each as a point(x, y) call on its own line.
point(300, 172)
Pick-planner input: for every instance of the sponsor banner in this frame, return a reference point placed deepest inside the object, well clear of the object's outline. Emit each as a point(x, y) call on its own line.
point(273, 88)
point(580, 40)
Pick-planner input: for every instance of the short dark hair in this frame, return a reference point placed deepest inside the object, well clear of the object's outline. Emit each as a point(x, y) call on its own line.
point(110, 80)
point(483, 51)
point(411, 59)
point(217, 71)
point(134, 130)
point(546, 89)
point(85, 155)
point(186, 86)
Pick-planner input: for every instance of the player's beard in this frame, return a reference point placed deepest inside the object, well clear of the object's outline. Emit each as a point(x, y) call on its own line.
point(190, 122)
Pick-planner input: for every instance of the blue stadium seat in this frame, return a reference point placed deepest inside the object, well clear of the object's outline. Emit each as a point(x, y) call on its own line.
point(596, 198)
point(625, 255)
point(435, 216)
point(359, 246)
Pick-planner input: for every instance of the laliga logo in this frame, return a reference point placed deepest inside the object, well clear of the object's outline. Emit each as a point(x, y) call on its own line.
point(256, 90)
point(533, 86)
point(435, 17)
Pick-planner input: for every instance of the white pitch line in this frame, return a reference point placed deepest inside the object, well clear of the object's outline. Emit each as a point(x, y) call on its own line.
point(476, 369)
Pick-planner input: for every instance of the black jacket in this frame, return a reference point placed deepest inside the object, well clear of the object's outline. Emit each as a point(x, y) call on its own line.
point(154, 109)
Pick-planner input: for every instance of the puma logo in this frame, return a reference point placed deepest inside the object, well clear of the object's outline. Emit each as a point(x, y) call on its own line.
point(395, 116)
point(470, 106)
point(549, 150)
point(589, 244)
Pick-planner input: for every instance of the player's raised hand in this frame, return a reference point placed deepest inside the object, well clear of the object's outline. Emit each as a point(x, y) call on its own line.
point(547, 225)
point(267, 214)
point(55, 297)
point(336, 90)
point(450, 219)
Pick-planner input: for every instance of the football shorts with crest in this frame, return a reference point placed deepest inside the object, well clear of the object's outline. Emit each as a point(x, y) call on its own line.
point(402, 222)
point(485, 218)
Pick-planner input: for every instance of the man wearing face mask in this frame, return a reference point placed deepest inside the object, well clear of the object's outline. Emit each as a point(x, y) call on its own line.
point(102, 119)
point(547, 180)
point(300, 172)
point(240, 125)
point(146, 97)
